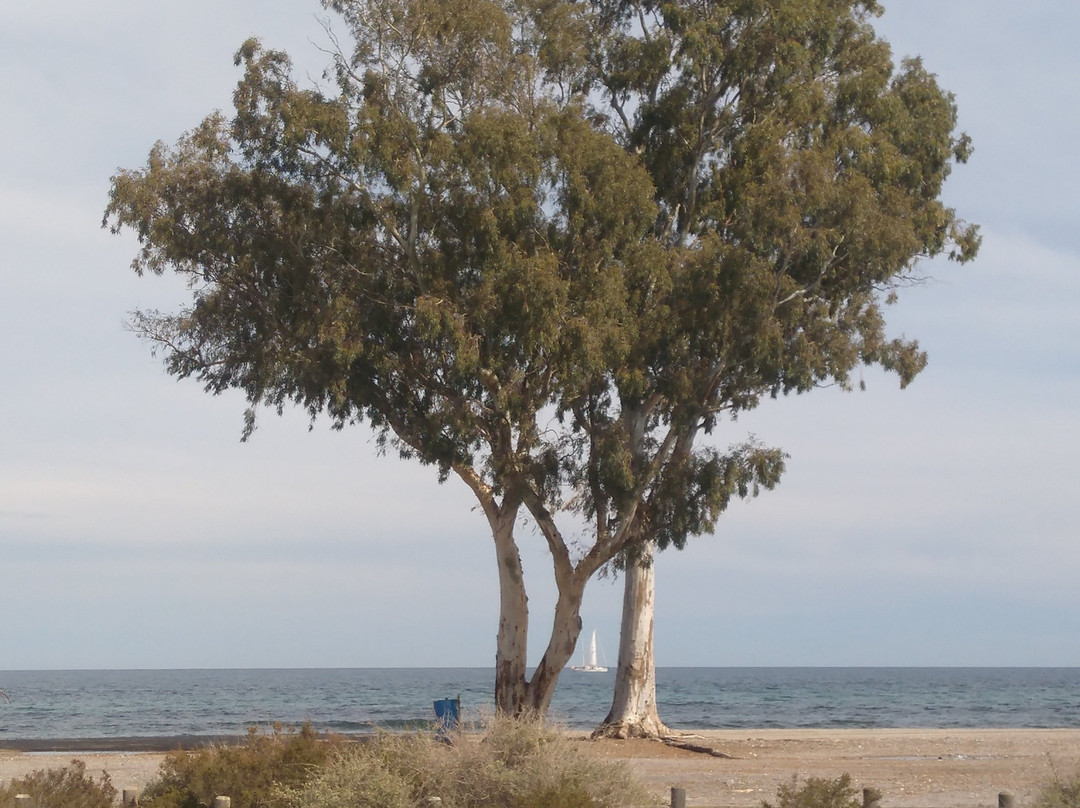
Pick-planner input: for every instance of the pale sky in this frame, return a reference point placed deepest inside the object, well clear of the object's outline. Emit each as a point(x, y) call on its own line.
point(933, 526)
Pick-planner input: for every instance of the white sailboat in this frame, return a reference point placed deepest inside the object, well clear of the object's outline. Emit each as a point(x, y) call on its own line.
point(590, 663)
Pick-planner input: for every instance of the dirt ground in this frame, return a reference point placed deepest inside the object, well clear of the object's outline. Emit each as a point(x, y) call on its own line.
point(912, 768)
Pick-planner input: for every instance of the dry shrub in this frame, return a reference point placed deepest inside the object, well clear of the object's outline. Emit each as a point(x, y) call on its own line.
point(247, 773)
point(514, 764)
point(1061, 792)
point(365, 775)
point(69, 787)
point(819, 792)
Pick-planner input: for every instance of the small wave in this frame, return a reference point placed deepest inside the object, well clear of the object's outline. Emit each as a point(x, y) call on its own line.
point(383, 725)
point(54, 704)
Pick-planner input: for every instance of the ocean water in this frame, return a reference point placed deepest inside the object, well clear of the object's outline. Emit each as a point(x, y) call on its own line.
point(122, 703)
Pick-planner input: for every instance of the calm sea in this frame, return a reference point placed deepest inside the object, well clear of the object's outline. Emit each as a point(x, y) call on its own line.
point(113, 704)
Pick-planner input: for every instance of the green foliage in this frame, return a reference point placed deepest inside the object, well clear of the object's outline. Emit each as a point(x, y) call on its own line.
point(515, 764)
point(69, 787)
point(819, 792)
point(247, 772)
point(1061, 792)
point(550, 246)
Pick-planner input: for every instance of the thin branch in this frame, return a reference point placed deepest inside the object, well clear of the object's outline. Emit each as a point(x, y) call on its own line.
point(560, 553)
point(484, 493)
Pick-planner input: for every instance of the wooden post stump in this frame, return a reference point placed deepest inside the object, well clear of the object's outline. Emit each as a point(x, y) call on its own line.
point(1006, 800)
point(129, 796)
point(23, 801)
point(678, 797)
point(222, 802)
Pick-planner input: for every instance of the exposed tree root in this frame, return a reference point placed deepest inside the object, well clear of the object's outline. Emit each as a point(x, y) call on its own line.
point(659, 732)
point(679, 742)
point(651, 729)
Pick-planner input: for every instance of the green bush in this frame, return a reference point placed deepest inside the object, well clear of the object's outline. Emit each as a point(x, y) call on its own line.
point(247, 773)
point(1060, 792)
point(69, 787)
point(819, 792)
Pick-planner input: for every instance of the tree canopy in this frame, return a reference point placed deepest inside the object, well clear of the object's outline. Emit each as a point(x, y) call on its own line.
point(546, 245)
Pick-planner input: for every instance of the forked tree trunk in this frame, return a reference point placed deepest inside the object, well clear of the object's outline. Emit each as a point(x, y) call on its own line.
point(515, 693)
point(633, 707)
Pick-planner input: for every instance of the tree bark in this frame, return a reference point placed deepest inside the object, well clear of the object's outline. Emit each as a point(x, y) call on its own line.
point(633, 711)
point(511, 650)
point(565, 630)
point(515, 693)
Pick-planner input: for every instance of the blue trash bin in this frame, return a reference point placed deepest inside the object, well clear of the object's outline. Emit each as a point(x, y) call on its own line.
point(447, 715)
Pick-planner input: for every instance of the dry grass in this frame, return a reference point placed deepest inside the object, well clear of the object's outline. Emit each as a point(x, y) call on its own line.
point(1060, 792)
point(247, 773)
point(512, 764)
point(69, 787)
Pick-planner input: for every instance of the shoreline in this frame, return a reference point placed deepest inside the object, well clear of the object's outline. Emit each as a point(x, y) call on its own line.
point(127, 743)
point(913, 768)
point(169, 743)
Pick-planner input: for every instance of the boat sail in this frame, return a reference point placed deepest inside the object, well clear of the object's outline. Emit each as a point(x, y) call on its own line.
point(590, 664)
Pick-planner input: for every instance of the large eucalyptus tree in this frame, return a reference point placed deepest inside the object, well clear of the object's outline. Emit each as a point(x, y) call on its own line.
point(545, 245)
point(798, 176)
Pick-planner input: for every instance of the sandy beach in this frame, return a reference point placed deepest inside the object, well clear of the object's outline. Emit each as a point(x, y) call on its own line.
point(912, 768)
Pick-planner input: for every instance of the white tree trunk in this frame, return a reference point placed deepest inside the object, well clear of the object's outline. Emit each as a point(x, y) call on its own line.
point(515, 693)
point(565, 630)
point(633, 707)
point(511, 649)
